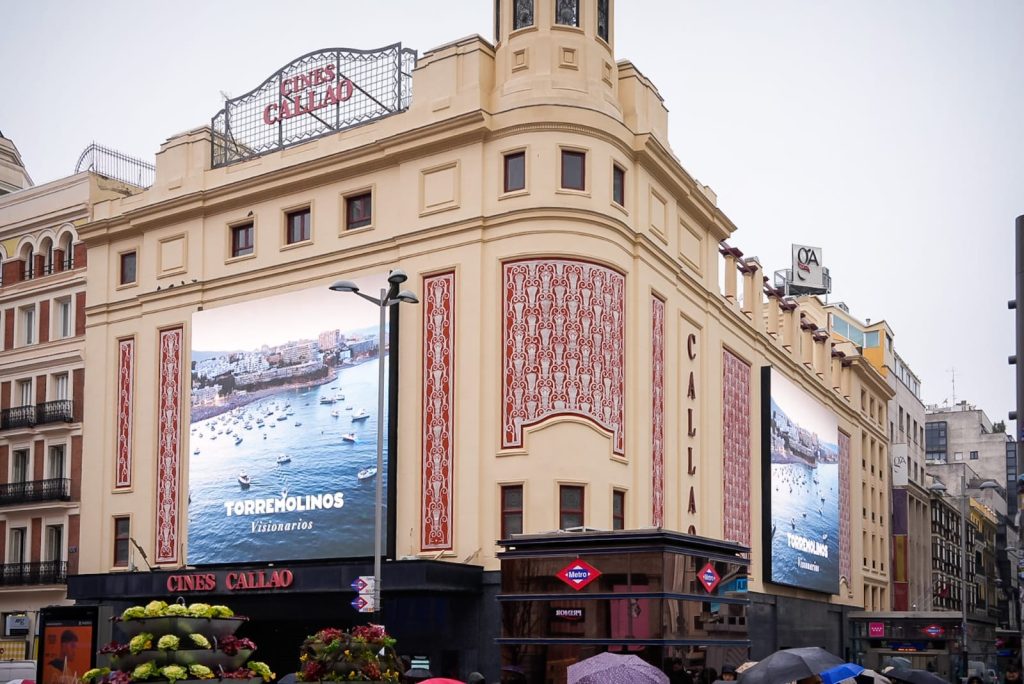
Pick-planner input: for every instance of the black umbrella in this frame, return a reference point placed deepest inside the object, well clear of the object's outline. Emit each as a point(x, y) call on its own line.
point(790, 665)
point(905, 674)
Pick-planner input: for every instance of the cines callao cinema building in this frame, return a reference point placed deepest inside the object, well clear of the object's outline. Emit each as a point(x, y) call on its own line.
point(572, 363)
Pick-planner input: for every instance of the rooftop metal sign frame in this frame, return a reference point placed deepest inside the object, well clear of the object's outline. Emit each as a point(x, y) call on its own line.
point(320, 93)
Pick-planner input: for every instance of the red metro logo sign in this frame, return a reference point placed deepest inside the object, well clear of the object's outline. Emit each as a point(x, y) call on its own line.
point(709, 577)
point(578, 574)
point(318, 94)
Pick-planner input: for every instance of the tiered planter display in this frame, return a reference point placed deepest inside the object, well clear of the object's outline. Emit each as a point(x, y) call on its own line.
point(162, 648)
point(364, 654)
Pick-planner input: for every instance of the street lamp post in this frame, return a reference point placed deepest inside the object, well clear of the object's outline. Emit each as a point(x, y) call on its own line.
point(389, 297)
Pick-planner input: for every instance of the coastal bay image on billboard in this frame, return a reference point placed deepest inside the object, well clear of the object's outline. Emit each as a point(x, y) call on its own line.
point(802, 502)
point(283, 425)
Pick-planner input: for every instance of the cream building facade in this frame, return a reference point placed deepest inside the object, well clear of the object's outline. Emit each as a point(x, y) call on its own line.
point(530, 193)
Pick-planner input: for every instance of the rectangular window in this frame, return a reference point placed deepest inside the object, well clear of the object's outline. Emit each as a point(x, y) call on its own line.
point(619, 185)
point(358, 211)
point(55, 462)
point(128, 263)
point(511, 510)
point(60, 386)
point(298, 226)
point(122, 531)
point(974, 455)
point(25, 393)
point(958, 455)
point(602, 20)
point(242, 239)
point(16, 547)
point(522, 14)
point(574, 170)
point(515, 171)
point(54, 543)
point(28, 325)
point(618, 510)
point(567, 12)
point(64, 322)
point(19, 465)
point(570, 507)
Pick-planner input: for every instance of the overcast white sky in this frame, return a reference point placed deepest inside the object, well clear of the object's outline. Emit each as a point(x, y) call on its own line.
point(889, 133)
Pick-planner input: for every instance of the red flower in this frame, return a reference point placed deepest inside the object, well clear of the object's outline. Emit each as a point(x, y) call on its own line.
point(312, 671)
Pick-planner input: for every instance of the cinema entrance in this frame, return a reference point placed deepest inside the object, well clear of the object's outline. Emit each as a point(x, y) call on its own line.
point(674, 600)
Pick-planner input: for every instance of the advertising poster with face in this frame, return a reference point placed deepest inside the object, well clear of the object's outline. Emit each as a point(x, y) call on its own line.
point(283, 425)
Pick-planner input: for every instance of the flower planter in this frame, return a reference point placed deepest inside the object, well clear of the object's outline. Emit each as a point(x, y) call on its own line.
point(181, 626)
point(209, 658)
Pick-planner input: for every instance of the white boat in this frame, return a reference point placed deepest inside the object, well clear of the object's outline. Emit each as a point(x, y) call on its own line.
point(238, 440)
point(244, 479)
point(367, 473)
point(326, 400)
point(348, 437)
point(298, 423)
point(195, 452)
point(282, 416)
point(334, 413)
point(361, 414)
point(284, 458)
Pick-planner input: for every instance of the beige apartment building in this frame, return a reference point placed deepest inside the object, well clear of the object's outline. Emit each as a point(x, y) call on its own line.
point(42, 375)
point(573, 361)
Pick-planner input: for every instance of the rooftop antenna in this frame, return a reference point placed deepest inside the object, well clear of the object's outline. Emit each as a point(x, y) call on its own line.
point(952, 373)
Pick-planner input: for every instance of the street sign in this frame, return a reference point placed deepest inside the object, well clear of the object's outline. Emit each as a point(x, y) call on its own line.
point(579, 574)
point(364, 604)
point(364, 584)
point(709, 577)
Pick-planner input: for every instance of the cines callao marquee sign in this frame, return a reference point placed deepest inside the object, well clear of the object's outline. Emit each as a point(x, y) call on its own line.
point(315, 95)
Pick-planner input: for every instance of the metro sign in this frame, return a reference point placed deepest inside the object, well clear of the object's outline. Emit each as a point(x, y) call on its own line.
point(709, 577)
point(578, 574)
point(934, 631)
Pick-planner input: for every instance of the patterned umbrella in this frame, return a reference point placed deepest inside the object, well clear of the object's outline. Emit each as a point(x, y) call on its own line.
point(789, 665)
point(609, 668)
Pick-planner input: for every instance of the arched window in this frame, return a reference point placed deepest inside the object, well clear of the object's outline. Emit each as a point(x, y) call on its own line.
point(522, 14)
point(29, 257)
point(46, 247)
point(68, 257)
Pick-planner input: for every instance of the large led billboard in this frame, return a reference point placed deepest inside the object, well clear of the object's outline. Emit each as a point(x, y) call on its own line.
point(283, 427)
point(800, 481)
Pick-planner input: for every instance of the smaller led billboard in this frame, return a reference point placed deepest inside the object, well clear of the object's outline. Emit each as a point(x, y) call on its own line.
point(800, 481)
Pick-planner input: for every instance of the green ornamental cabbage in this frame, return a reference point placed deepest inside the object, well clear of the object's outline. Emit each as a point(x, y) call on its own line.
point(200, 641)
point(96, 672)
point(175, 610)
point(173, 673)
point(155, 608)
point(200, 671)
point(140, 642)
point(221, 612)
point(199, 610)
point(133, 613)
point(168, 642)
point(262, 669)
point(145, 671)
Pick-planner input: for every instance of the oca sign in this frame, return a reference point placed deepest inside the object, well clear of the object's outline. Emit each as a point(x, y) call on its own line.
point(807, 271)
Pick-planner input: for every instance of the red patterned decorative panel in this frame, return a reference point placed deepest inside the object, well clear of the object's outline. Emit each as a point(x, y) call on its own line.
point(125, 385)
point(658, 411)
point(564, 340)
point(168, 446)
point(736, 447)
point(844, 506)
point(438, 410)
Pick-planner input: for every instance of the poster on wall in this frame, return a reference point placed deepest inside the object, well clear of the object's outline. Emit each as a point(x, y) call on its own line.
point(283, 427)
point(801, 472)
point(67, 644)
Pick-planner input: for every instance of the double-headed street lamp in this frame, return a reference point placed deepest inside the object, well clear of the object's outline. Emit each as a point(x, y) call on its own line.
point(940, 489)
point(392, 296)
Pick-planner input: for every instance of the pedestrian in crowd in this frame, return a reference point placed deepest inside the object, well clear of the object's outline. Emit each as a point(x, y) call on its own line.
point(728, 673)
point(975, 679)
point(1012, 675)
point(813, 679)
point(708, 675)
point(677, 673)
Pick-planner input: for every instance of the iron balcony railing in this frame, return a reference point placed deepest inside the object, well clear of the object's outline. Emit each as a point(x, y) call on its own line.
point(47, 572)
point(55, 489)
point(58, 411)
point(18, 416)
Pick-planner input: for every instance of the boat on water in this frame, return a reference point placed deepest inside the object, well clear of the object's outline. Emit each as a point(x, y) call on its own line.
point(361, 414)
point(348, 437)
point(334, 413)
point(195, 452)
point(244, 479)
point(282, 416)
point(326, 400)
point(298, 423)
point(284, 458)
point(367, 473)
point(238, 440)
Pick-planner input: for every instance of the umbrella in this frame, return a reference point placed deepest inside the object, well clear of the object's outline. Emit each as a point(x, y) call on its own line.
point(609, 668)
point(440, 680)
point(790, 665)
point(740, 669)
point(905, 674)
point(841, 672)
point(866, 677)
point(418, 674)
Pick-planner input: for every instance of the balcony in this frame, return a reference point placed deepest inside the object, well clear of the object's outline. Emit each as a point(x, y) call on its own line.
point(56, 489)
point(59, 411)
point(22, 574)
